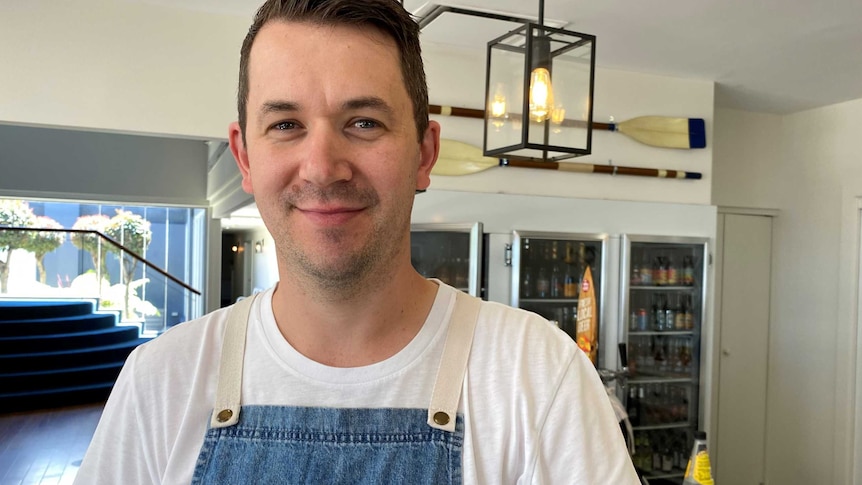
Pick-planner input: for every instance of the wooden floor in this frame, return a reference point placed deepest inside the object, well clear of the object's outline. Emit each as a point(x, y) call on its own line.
point(45, 447)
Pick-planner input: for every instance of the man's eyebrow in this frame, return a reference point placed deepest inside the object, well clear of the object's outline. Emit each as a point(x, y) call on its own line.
point(372, 102)
point(277, 107)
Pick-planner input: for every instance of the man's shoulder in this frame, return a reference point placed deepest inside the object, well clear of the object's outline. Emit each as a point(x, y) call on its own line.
point(184, 340)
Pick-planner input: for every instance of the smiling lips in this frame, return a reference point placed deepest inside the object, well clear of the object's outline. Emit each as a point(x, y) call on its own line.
point(330, 216)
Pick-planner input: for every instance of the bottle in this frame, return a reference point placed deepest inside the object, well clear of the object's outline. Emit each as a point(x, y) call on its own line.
point(646, 272)
point(556, 283)
point(570, 283)
point(658, 316)
point(527, 283)
point(672, 275)
point(660, 271)
point(669, 315)
point(632, 407)
point(689, 316)
point(636, 275)
point(679, 320)
point(687, 271)
point(698, 471)
point(543, 283)
point(570, 253)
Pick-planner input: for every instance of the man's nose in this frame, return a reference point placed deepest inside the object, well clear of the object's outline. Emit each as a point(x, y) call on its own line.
point(325, 159)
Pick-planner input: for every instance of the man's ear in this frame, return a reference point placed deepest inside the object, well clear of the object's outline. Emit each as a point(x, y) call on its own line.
point(428, 151)
point(240, 154)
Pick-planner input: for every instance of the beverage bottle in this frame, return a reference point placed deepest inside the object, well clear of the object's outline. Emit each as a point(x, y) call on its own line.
point(632, 407)
point(672, 275)
point(687, 271)
point(660, 271)
point(646, 272)
point(698, 471)
point(669, 315)
point(543, 283)
point(556, 282)
point(658, 313)
point(570, 283)
point(570, 253)
point(689, 316)
point(679, 319)
point(636, 275)
point(642, 418)
point(527, 283)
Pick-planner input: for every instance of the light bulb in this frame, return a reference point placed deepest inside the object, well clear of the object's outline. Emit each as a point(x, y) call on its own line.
point(498, 106)
point(541, 94)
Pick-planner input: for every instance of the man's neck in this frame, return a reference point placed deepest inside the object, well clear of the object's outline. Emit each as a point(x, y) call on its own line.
point(366, 328)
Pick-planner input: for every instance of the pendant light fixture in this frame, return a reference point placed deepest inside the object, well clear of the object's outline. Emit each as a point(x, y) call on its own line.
point(538, 88)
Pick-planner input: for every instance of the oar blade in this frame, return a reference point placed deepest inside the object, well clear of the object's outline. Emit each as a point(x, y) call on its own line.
point(665, 132)
point(458, 158)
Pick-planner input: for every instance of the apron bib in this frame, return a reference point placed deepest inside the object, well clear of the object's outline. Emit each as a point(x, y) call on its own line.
point(306, 445)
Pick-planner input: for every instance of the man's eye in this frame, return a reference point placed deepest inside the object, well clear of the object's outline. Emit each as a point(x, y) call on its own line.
point(284, 125)
point(366, 124)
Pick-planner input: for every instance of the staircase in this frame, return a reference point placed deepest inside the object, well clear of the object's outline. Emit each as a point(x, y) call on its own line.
point(57, 353)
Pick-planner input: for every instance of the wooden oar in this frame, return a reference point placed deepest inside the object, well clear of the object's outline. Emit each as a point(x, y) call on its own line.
point(457, 158)
point(657, 131)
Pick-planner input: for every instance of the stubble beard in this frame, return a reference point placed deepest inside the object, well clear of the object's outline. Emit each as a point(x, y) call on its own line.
point(346, 268)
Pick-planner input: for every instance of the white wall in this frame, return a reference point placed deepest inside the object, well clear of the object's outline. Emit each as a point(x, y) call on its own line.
point(119, 66)
point(807, 166)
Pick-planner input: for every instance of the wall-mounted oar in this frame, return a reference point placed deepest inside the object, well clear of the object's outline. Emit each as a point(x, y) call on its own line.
point(457, 158)
point(657, 131)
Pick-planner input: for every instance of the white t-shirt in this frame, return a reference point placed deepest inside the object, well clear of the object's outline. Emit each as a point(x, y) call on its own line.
point(534, 408)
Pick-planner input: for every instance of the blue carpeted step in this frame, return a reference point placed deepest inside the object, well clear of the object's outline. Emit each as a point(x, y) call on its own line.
point(44, 326)
point(67, 396)
point(66, 341)
point(33, 361)
point(35, 309)
point(60, 378)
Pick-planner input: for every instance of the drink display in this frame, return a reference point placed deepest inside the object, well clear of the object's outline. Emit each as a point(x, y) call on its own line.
point(548, 273)
point(451, 253)
point(662, 308)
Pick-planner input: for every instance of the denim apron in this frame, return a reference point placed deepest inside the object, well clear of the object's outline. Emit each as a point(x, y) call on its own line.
point(293, 445)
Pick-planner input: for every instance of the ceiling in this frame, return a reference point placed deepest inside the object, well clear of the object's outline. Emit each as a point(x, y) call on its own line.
point(773, 56)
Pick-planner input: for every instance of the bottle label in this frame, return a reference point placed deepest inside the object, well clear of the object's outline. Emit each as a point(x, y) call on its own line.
point(700, 470)
point(587, 320)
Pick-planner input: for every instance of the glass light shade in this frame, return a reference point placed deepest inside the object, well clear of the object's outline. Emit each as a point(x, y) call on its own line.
point(548, 75)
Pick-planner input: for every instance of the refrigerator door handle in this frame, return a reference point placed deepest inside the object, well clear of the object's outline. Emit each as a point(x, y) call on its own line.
point(507, 255)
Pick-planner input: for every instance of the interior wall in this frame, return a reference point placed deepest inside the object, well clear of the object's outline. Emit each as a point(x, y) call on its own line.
point(119, 66)
point(806, 166)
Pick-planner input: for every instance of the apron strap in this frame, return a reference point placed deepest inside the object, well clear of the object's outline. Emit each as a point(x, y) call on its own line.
point(227, 402)
point(453, 365)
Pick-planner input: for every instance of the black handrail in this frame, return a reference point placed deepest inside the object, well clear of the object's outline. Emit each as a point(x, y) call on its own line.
point(111, 241)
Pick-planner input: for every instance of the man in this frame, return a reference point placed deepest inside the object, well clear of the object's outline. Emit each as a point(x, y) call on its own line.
point(354, 368)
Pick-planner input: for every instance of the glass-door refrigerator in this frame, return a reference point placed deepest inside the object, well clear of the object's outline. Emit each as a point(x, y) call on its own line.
point(452, 253)
point(663, 296)
point(548, 272)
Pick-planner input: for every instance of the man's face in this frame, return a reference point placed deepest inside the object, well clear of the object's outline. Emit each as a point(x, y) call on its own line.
point(332, 154)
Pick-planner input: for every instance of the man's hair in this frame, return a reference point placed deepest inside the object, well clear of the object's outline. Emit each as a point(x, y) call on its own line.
point(388, 16)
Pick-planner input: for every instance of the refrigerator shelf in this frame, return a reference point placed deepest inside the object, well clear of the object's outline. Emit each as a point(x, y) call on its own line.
point(652, 427)
point(653, 379)
point(669, 333)
point(662, 288)
point(549, 300)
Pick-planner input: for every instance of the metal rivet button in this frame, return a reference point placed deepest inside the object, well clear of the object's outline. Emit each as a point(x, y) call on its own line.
point(441, 418)
point(224, 415)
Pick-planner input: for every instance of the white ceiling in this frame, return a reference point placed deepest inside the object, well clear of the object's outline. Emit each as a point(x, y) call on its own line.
point(775, 56)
